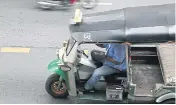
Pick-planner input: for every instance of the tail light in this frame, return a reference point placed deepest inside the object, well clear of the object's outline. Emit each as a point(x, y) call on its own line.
point(72, 1)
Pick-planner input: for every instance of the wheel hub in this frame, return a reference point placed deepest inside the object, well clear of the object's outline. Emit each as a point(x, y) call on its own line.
point(57, 90)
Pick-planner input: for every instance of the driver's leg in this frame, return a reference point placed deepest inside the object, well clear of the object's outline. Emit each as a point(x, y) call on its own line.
point(102, 71)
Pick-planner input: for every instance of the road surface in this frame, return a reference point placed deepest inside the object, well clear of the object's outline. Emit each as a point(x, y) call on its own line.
point(23, 75)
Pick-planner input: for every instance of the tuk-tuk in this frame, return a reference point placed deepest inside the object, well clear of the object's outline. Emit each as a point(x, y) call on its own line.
point(150, 75)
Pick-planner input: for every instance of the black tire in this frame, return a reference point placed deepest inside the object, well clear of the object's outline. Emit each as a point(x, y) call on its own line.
point(169, 101)
point(49, 87)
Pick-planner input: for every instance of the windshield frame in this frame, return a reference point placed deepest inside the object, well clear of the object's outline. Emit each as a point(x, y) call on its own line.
point(70, 45)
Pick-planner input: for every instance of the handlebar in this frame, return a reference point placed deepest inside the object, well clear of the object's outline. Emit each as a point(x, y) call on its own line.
point(81, 51)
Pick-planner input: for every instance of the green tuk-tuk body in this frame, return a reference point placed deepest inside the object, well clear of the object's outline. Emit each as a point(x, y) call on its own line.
point(150, 76)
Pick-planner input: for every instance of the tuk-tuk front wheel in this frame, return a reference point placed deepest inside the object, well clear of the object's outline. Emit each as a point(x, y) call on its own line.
point(55, 87)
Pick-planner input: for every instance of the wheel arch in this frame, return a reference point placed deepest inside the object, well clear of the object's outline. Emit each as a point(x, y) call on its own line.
point(166, 97)
point(53, 67)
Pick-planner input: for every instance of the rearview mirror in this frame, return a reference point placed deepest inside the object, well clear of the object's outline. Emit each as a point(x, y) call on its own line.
point(65, 43)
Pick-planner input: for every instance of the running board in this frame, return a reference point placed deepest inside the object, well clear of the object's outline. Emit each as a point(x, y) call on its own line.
point(99, 97)
point(96, 96)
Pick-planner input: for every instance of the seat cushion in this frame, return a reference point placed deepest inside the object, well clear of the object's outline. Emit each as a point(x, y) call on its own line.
point(116, 77)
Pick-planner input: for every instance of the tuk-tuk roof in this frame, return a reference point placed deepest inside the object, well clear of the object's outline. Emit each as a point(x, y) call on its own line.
point(134, 24)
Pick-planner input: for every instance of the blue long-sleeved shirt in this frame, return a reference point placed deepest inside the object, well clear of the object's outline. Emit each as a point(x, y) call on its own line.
point(118, 53)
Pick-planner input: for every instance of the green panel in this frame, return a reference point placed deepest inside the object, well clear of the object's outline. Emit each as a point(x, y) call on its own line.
point(53, 67)
point(93, 96)
point(132, 88)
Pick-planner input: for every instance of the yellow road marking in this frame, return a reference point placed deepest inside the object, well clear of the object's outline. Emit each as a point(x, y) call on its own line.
point(15, 49)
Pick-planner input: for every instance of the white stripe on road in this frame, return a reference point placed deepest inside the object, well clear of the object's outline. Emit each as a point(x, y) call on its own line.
point(104, 3)
point(98, 3)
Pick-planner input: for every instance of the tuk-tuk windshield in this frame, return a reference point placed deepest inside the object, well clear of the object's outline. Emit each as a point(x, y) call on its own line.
point(70, 45)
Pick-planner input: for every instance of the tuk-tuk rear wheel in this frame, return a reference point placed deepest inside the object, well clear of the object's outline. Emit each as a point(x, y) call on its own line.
point(169, 101)
point(51, 87)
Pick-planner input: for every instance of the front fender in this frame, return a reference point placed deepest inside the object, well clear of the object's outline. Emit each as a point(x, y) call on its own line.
point(53, 67)
point(165, 97)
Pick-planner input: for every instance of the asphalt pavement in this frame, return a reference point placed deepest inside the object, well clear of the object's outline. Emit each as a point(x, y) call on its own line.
point(23, 74)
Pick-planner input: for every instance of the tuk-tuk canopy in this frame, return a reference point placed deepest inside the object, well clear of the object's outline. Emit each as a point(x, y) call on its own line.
point(146, 24)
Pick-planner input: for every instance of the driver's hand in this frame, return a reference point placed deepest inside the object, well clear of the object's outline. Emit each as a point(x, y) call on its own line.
point(127, 43)
point(169, 42)
point(100, 45)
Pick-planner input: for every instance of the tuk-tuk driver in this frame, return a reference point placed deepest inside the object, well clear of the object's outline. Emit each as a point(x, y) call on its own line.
point(115, 62)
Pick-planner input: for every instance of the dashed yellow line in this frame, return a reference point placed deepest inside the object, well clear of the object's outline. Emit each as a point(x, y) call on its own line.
point(15, 49)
